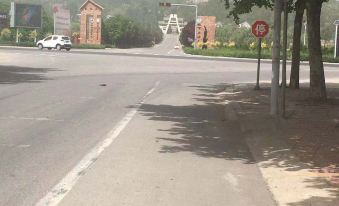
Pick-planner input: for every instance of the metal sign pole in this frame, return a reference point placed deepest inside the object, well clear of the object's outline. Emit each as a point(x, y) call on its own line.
point(257, 86)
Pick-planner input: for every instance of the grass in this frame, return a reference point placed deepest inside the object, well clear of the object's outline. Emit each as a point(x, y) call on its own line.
point(88, 46)
point(20, 44)
point(253, 54)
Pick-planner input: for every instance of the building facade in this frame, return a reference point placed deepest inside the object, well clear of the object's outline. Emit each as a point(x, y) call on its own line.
point(207, 23)
point(90, 23)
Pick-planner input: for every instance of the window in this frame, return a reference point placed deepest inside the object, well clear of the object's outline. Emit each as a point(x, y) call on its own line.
point(48, 38)
point(55, 38)
point(65, 38)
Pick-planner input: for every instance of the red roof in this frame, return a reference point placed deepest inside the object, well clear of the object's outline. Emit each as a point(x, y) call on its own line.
point(93, 2)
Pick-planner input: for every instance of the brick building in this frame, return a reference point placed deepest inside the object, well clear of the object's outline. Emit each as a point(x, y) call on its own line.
point(90, 23)
point(210, 23)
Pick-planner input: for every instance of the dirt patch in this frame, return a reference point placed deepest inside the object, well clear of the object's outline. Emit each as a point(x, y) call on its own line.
point(311, 128)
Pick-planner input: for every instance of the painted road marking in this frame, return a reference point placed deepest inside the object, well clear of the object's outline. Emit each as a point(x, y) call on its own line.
point(59, 191)
point(31, 118)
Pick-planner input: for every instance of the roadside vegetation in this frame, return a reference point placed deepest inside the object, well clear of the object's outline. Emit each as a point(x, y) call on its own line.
point(122, 30)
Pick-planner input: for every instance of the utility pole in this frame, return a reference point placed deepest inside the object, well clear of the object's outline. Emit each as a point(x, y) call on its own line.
point(283, 85)
point(276, 58)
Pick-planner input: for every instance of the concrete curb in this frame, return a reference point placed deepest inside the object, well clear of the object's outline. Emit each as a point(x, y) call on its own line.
point(185, 56)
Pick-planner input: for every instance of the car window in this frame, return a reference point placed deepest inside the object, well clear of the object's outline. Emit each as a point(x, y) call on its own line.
point(65, 38)
point(55, 38)
point(48, 38)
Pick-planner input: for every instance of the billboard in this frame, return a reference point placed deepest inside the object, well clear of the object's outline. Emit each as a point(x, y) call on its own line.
point(62, 20)
point(26, 15)
point(3, 20)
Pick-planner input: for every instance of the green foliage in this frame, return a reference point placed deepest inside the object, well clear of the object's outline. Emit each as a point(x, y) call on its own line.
point(241, 36)
point(187, 34)
point(47, 25)
point(6, 34)
point(88, 46)
point(123, 32)
point(21, 44)
point(266, 54)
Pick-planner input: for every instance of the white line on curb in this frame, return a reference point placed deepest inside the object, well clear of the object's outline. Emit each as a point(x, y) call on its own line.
point(59, 191)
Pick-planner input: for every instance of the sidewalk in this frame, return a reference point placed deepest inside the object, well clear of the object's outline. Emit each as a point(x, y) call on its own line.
point(298, 156)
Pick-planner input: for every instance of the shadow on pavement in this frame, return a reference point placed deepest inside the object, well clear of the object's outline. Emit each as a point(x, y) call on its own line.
point(304, 146)
point(202, 130)
point(15, 75)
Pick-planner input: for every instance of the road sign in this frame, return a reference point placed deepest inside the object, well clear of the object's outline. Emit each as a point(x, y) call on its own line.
point(260, 29)
point(165, 4)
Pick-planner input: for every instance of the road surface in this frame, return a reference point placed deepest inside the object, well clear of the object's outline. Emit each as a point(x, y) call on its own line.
point(92, 129)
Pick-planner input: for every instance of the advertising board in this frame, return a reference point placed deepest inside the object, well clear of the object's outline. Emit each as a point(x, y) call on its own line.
point(26, 15)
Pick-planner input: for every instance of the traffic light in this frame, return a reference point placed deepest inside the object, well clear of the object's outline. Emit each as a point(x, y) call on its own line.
point(165, 4)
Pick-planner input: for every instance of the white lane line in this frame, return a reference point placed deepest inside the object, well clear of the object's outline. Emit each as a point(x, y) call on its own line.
point(31, 118)
point(15, 146)
point(59, 191)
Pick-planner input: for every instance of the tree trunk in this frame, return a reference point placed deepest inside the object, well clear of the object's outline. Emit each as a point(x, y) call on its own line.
point(298, 23)
point(317, 76)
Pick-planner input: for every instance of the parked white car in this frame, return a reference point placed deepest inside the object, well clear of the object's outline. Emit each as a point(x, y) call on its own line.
point(55, 42)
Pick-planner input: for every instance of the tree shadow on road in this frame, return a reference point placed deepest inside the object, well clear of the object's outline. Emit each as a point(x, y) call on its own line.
point(201, 129)
point(15, 75)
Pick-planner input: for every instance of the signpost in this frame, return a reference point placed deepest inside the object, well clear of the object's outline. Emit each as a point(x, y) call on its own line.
point(259, 29)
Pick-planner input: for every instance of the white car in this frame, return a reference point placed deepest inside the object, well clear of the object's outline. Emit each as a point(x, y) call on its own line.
point(55, 42)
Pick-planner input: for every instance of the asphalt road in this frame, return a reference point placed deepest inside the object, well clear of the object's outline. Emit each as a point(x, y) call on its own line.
point(123, 130)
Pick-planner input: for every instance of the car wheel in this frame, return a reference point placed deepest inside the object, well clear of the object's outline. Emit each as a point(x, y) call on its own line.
point(40, 46)
point(58, 47)
point(68, 49)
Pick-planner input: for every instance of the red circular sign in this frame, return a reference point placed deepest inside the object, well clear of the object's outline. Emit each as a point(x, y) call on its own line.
point(260, 29)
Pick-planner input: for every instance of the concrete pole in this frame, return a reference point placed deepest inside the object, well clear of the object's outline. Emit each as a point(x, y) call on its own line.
point(17, 35)
point(283, 87)
point(305, 25)
point(195, 27)
point(336, 41)
point(276, 58)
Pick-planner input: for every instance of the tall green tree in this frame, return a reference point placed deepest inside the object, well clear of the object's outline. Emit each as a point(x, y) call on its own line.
point(300, 7)
point(313, 13)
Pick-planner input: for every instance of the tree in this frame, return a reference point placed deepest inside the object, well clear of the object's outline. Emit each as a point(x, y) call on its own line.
point(313, 8)
point(300, 6)
point(317, 76)
point(6, 34)
point(124, 32)
point(187, 34)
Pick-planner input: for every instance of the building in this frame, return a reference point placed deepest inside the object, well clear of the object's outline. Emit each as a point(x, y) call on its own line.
point(90, 23)
point(208, 22)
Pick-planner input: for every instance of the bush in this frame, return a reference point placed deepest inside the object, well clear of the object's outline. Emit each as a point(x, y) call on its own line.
point(123, 32)
point(88, 46)
point(187, 34)
point(21, 44)
point(6, 34)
